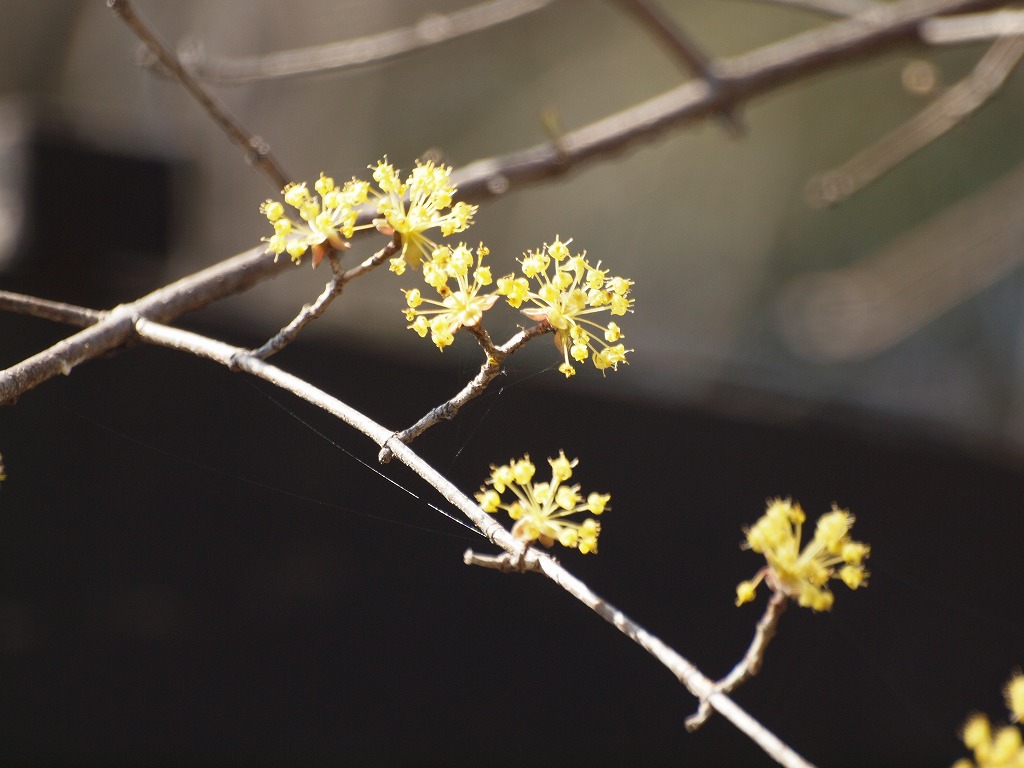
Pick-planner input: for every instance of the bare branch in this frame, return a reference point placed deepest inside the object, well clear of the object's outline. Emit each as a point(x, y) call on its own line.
point(751, 662)
point(115, 328)
point(972, 27)
point(57, 311)
point(333, 289)
point(257, 151)
point(830, 7)
point(681, 45)
point(935, 120)
point(533, 559)
point(490, 370)
point(745, 77)
point(432, 29)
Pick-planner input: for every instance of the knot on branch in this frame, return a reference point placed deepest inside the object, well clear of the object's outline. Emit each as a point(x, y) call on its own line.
point(505, 562)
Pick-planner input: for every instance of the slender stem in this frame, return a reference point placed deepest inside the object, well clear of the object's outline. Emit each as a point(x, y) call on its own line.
point(57, 311)
point(681, 45)
point(115, 328)
point(433, 29)
point(938, 118)
point(752, 660)
point(489, 370)
point(332, 290)
point(257, 151)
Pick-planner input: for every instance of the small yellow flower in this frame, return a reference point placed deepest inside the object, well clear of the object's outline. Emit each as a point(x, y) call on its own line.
point(568, 289)
point(327, 217)
point(429, 206)
point(803, 574)
point(541, 510)
point(463, 306)
point(2, 475)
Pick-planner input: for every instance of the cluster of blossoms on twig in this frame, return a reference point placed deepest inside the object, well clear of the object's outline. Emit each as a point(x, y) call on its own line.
point(570, 287)
point(1003, 748)
point(541, 510)
point(555, 287)
point(329, 217)
point(803, 574)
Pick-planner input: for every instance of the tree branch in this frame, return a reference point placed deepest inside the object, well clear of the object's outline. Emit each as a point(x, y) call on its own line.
point(257, 151)
point(433, 29)
point(744, 77)
point(115, 328)
point(935, 120)
point(700, 686)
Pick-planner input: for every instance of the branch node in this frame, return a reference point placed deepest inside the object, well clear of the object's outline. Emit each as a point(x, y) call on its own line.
point(505, 562)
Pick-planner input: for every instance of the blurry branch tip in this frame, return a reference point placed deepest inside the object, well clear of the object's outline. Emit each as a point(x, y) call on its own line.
point(751, 662)
point(57, 311)
point(935, 120)
point(432, 29)
point(332, 290)
point(256, 150)
point(671, 34)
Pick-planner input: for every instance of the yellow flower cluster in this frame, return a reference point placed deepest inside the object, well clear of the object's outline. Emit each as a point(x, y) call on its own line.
point(803, 574)
point(462, 306)
point(569, 289)
point(430, 193)
point(541, 510)
point(329, 217)
point(1004, 748)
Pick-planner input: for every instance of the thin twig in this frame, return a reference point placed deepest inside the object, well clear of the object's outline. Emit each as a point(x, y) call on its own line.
point(935, 120)
point(746, 76)
point(257, 151)
point(432, 29)
point(751, 662)
point(829, 7)
point(332, 290)
point(700, 686)
point(681, 45)
point(971, 27)
point(951, 30)
point(489, 370)
point(57, 311)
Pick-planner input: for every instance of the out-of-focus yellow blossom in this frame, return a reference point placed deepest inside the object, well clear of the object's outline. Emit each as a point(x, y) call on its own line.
point(1014, 694)
point(569, 288)
point(803, 574)
point(328, 217)
point(1004, 748)
point(429, 206)
point(1001, 749)
point(541, 510)
point(464, 305)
